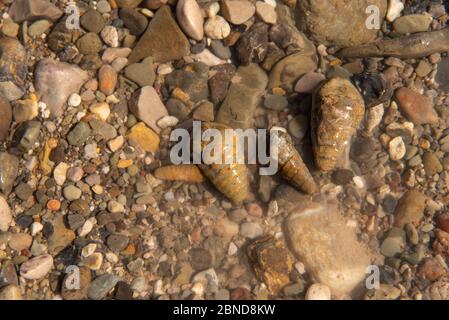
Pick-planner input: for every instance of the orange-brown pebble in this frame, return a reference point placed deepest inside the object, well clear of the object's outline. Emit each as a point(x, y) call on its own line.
point(124, 163)
point(54, 205)
point(415, 107)
point(143, 138)
point(107, 77)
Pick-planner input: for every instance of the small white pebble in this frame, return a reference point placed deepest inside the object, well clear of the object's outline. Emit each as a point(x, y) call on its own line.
point(74, 100)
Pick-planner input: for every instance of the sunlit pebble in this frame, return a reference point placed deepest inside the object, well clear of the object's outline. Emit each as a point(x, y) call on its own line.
point(299, 266)
point(111, 257)
point(271, 3)
point(148, 160)
point(147, 13)
point(106, 170)
point(359, 182)
point(5, 15)
point(88, 250)
point(80, 115)
point(232, 249)
point(74, 100)
point(35, 228)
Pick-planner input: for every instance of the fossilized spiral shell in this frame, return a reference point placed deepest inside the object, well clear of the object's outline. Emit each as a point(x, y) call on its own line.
point(337, 112)
point(291, 165)
point(229, 179)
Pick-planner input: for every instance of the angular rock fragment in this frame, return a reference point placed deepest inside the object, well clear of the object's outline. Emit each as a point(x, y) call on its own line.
point(163, 39)
point(148, 107)
point(271, 261)
point(56, 81)
point(244, 95)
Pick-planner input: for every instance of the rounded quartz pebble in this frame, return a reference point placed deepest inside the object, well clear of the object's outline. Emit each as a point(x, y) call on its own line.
point(74, 100)
point(318, 291)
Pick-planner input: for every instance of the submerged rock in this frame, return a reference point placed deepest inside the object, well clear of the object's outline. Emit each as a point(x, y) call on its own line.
point(329, 248)
point(13, 68)
point(339, 22)
point(56, 81)
point(163, 39)
point(244, 95)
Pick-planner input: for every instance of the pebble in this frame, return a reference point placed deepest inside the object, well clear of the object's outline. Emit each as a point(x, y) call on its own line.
point(309, 82)
point(107, 78)
point(79, 134)
point(38, 28)
point(5, 214)
point(217, 28)
point(143, 138)
point(110, 54)
point(10, 29)
point(147, 106)
point(208, 58)
point(251, 230)
point(72, 193)
point(92, 21)
point(116, 144)
point(266, 12)
point(101, 109)
point(167, 122)
point(417, 108)
point(20, 241)
point(101, 286)
point(60, 173)
point(237, 11)
point(141, 73)
point(397, 148)
point(5, 118)
point(190, 18)
point(103, 6)
point(432, 164)
point(374, 117)
point(117, 242)
point(318, 291)
point(24, 10)
point(109, 34)
point(134, 21)
point(395, 8)
point(56, 81)
point(248, 92)
point(90, 43)
point(8, 171)
point(394, 243)
point(163, 40)
point(412, 23)
point(10, 292)
point(410, 208)
point(275, 102)
point(318, 19)
point(37, 267)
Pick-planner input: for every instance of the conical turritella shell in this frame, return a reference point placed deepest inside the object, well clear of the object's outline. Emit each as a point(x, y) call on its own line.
point(337, 112)
point(230, 179)
point(291, 164)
